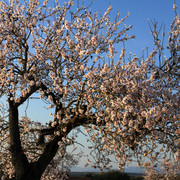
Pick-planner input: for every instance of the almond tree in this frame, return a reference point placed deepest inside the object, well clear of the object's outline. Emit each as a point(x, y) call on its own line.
point(67, 56)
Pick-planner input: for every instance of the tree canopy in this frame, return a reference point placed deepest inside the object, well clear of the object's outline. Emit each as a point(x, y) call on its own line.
point(68, 57)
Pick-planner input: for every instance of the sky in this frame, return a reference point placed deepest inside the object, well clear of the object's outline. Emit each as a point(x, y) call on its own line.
point(140, 11)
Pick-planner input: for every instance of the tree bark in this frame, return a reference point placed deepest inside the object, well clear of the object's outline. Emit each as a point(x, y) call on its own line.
point(47, 156)
point(23, 169)
point(19, 159)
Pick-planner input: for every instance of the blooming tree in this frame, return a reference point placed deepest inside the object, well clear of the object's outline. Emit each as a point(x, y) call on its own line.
point(67, 57)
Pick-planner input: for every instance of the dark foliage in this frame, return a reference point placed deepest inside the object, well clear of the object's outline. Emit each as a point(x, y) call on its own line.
point(111, 175)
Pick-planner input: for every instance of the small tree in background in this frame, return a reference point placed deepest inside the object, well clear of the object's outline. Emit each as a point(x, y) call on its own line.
point(67, 57)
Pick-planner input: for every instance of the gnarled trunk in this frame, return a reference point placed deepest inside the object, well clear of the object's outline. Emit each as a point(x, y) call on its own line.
point(32, 173)
point(23, 169)
point(19, 159)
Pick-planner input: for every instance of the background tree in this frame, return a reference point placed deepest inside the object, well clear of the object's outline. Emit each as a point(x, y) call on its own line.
point(67, 56)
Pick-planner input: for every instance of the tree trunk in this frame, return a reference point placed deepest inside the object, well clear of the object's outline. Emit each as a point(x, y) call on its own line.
point(32, 173)
point(23, 169)
point(19, 159)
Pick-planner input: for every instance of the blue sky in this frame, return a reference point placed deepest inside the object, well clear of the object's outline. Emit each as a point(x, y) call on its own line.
point(140, 11)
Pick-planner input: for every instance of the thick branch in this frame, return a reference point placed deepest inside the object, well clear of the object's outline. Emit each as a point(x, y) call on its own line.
point(52, 147)
point(48, 154)
point(33, 89)
point(54, 97)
